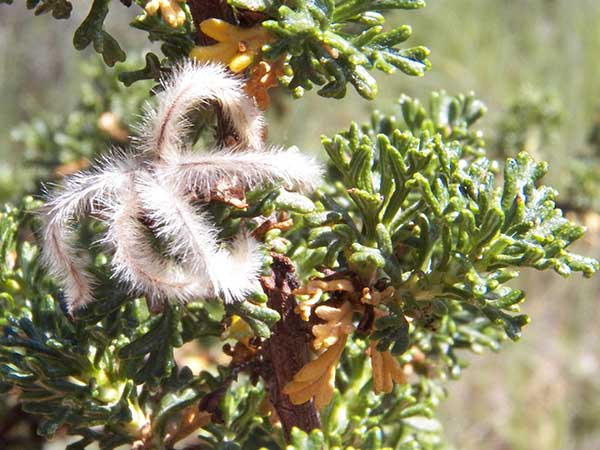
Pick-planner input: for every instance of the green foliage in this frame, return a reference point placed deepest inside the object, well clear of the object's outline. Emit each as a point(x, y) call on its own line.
point(176, 42)
point(331, 44)
point(431, 220)
point(151, 71)
point(392, 332)
point(91, 31)
point(411, 202)
point(260, 318)
point(450, 116)
point(60, 9)
point(323, 43)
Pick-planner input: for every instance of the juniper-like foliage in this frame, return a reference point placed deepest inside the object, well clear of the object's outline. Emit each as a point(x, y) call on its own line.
point(371, 289)
point(326, 43)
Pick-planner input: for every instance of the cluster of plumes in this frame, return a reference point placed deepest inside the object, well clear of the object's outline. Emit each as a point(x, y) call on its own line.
point(153, 189)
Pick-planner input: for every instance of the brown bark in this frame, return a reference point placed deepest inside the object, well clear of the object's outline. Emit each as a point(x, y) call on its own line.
point(286, 352)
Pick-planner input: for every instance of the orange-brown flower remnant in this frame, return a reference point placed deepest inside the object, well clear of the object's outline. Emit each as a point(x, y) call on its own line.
point(170, 10)
point(374, 297)
point(386, 370)
point(316, 288)
point(338, 325)
point(263, 77)
point(236, 47)
point(317, 378)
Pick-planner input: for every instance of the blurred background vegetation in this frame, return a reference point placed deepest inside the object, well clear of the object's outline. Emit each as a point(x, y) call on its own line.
point(535, 63)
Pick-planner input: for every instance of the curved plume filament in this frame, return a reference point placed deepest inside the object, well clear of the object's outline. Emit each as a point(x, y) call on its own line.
point(192, 86)
point(83, 193)
point(157, 185)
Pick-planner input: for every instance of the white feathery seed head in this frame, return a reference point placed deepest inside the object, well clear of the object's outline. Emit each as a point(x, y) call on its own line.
point(187, 232)
point(154, 191)
point(192, 237)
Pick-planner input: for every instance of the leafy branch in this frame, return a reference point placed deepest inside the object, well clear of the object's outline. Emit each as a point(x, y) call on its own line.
point(331, 44)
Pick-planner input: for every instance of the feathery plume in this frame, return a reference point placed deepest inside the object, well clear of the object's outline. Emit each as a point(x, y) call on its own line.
point(200, 171)
point(236, 269)
point(137, 264)
point(81, 193)
point(195, 85)
point(193, 238)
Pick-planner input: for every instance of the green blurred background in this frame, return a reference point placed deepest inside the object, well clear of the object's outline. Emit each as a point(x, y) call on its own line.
point(542, 393)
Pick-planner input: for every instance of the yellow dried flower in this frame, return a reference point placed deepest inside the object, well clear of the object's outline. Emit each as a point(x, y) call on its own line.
point(386, 370)
point(238, 330)
point(170, 11)
point(236, 47)
point(317, 378)
point(316, 288)
point(338, 325)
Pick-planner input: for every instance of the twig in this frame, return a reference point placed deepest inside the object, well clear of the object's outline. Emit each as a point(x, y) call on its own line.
point(193, 418)
point(286, 352)
point(207, 409)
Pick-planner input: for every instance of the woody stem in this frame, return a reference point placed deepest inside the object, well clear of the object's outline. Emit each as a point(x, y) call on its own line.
point(287, 350)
